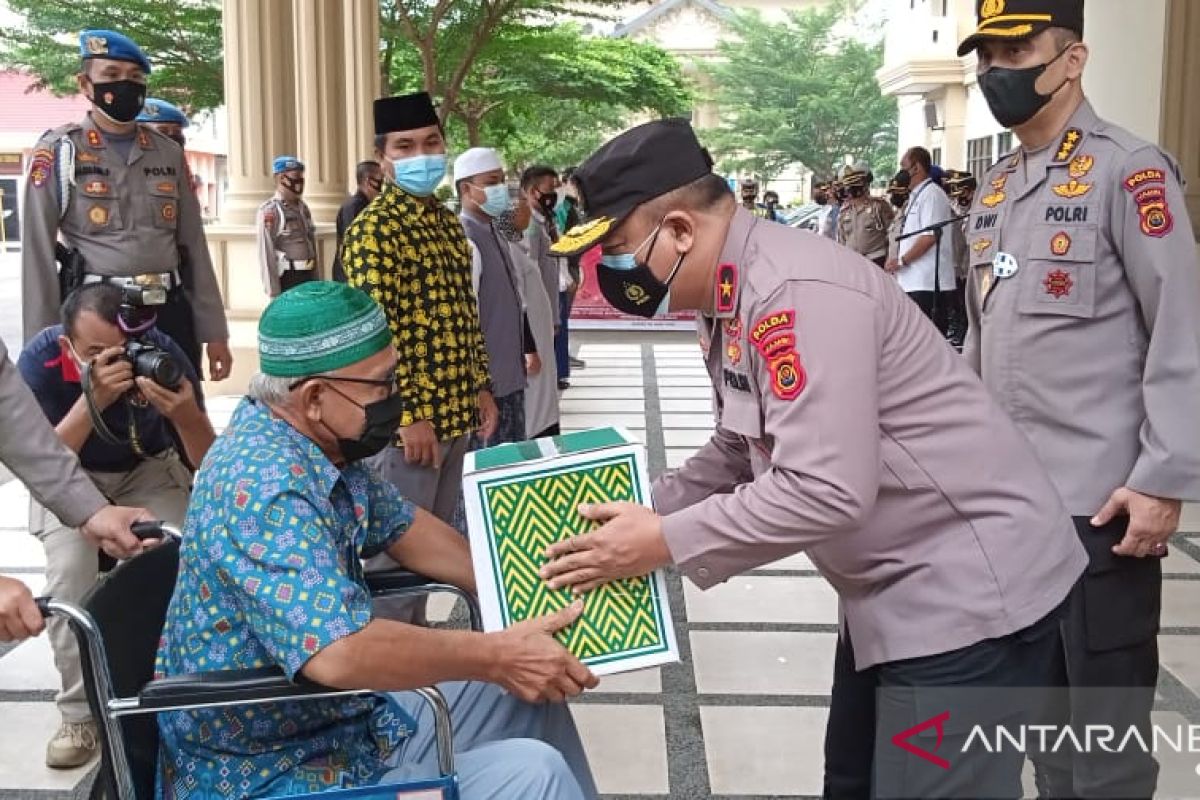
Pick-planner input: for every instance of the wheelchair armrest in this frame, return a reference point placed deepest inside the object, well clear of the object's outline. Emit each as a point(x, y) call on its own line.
point(400, 582)
point(228, 686)
point(391, 580)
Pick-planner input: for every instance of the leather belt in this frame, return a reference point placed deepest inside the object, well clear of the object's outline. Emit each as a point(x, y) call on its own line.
point(149, 280)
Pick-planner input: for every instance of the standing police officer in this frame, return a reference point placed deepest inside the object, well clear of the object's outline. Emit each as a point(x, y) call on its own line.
point(165, 118)
point(846, 429)
point(864, 222)
point(287, 236)
point(1083, 300)
point(119, 194)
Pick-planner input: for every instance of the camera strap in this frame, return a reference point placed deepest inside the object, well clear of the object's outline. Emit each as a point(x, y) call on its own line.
point(99, 425)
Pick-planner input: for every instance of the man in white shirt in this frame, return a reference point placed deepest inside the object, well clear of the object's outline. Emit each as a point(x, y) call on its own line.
point(924, 265)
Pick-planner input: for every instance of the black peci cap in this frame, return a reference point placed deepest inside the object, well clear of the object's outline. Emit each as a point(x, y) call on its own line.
point(1021, 19)
point(639, 165)
point(405, 112)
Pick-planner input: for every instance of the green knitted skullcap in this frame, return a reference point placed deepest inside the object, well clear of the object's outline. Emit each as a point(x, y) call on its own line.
point(317, 327)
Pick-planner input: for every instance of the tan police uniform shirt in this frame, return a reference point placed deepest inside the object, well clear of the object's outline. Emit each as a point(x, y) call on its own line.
point(863, 226)
point(127, 217)
point(32, 450)
point(287, 239)
point(1093, 345)
point(849, 429)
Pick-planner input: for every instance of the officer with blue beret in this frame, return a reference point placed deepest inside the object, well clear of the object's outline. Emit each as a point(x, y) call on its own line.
point(166, 118)
point(287, 236)
point(118, 194)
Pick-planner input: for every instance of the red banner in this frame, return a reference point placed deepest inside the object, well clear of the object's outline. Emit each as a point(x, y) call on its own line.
point(591, 310)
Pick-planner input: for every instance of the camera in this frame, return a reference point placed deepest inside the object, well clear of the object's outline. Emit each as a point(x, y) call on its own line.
point(151, 361)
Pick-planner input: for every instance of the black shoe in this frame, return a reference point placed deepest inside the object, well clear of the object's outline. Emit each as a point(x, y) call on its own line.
point(564, 385)
point(577, 363)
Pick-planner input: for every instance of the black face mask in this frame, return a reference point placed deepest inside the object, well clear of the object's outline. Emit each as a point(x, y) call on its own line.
point(379, 428)
point(857, 191)
point(636, 291)
point(1012, 94)
point(547, 202)
point(120, 101)
point(821, 199)
point(899, 199)
point(293, 184)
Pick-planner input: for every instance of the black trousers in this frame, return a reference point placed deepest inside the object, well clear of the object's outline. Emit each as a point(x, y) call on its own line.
point(1110, 663)
point(944, 313)
point(292, 278)
point(870, 708)
point(176, 319)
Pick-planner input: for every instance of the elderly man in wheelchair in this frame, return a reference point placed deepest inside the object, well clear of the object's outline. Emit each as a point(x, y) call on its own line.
point(282, 514)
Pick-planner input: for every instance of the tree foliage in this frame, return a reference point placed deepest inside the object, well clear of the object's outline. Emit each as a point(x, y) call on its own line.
point(549, 93)
point(182, 38)
point(800, 91)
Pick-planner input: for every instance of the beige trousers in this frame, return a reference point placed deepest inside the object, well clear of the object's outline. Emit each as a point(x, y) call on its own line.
point(161, 484)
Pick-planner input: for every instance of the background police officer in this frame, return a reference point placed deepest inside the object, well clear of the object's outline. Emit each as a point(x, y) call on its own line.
point(287, 236)
point(864, 221)
point(120, 194)
point(1083, 298)
point(165, 118)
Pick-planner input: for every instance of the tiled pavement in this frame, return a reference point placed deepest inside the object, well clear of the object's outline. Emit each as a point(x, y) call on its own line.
point(743, 715)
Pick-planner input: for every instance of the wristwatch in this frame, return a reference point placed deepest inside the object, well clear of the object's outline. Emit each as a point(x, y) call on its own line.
point(900, 260)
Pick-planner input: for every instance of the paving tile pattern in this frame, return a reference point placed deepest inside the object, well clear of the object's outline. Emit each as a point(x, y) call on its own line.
point(742, 716)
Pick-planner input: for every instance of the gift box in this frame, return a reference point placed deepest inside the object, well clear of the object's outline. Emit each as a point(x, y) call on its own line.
point(520, 498)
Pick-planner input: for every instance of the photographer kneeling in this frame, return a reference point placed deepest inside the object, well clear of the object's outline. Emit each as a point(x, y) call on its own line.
point(145, 396)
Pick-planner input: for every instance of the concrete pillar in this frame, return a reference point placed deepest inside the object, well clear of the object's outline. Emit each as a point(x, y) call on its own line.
point(320, 108)
point(360, 80)
point(1180, 112)
point(300, 76)
point(260, 99)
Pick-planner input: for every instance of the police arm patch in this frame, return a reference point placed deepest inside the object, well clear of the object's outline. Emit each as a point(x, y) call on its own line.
point(1154, 212)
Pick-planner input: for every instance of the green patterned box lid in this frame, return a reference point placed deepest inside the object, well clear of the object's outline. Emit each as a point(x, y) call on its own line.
point(507, 455)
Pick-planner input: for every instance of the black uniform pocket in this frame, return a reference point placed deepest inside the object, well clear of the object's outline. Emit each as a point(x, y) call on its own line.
point(1122, 596)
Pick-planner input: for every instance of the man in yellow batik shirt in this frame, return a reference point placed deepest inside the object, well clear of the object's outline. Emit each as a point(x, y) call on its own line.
point(409, 252)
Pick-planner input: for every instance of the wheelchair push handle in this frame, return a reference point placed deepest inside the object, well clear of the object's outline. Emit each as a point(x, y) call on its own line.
point(43, 605)
point(153, 529)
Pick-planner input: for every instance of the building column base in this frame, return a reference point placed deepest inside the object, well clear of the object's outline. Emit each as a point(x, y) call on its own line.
point(234, 250)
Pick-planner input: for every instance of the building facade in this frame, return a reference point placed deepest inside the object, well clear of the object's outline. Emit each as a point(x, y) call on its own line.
point(1142, 63)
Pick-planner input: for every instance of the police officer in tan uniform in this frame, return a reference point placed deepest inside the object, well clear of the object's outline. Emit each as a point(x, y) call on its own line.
point(119, 193)
point(287, 236)
point(1083, 299)
point(847, 430)
point(864, 220)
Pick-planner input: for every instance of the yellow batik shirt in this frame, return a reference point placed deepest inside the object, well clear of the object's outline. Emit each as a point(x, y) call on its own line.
point(412, 257)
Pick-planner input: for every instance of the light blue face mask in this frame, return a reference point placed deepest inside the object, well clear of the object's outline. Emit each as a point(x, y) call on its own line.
point(496, 200)
point(420, 175)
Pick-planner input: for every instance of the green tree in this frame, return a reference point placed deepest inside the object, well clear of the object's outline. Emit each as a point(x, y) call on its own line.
point(182, 38)
point(800, 92)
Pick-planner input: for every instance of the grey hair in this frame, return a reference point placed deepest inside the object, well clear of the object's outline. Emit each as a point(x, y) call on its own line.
point(270, 389)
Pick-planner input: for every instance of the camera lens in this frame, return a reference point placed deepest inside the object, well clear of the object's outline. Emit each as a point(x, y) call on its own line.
point(163, 370)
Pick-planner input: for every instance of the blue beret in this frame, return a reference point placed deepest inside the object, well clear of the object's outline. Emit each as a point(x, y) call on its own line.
point(156, 110)
point(112, 45)
point(285, 163)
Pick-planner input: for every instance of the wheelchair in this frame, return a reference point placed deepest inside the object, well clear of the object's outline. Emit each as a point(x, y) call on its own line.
point(118, 629)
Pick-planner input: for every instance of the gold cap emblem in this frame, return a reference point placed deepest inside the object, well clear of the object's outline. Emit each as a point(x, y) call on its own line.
point(991, 8)
point(97, 45)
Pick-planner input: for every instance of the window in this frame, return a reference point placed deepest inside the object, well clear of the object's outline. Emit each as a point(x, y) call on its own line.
point(936, 155)
point(979, 155)
point(1004, 143)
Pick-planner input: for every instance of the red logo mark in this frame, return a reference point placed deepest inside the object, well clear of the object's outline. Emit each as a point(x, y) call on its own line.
point(901, 739)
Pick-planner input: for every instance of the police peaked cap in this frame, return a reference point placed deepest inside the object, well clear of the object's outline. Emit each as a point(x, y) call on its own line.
point(1021, 19)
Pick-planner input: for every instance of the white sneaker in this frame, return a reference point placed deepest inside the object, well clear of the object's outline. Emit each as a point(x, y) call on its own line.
point(73, 745)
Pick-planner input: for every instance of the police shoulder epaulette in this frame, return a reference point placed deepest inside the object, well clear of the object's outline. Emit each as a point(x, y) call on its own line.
point(54, 134)
point(1122, 138)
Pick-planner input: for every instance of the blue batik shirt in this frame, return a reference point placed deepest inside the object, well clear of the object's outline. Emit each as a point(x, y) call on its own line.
point(269, 575)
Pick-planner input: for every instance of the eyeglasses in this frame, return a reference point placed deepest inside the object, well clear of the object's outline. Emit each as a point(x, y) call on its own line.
point(391, 384)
